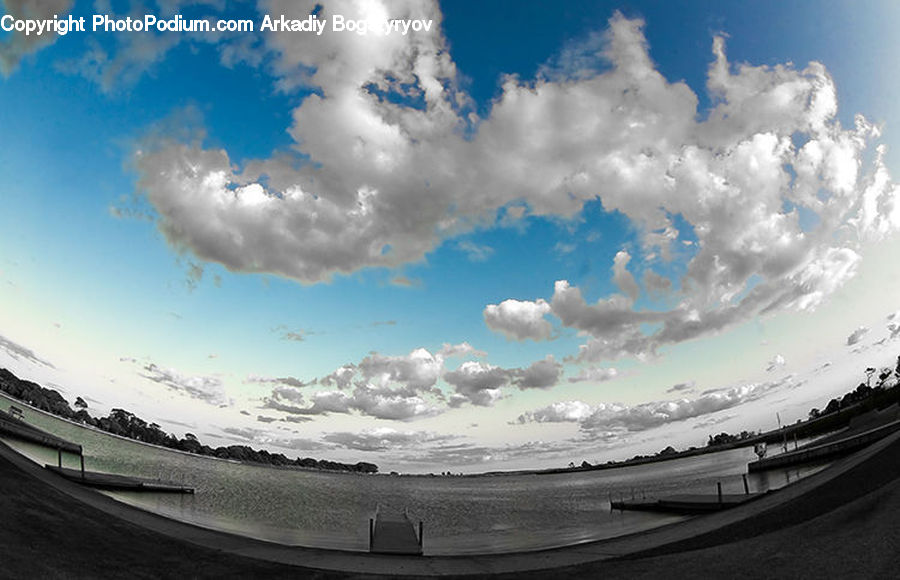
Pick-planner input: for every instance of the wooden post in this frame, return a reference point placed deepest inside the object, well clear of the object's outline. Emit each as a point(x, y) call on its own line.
point(59, 456)
point(420, 534)
point(371, 533)
point(82, 466)
point(719, 486)
point(746, 485)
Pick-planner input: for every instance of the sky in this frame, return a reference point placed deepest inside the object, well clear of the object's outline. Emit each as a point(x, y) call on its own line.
point(480, 236)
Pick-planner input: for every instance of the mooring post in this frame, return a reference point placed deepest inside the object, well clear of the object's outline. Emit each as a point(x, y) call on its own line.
point(746, 485)
point(719, 487)
point(59, 456)
point(82, 465)
point(420, 534)
point(609, 495)
point(371, 533)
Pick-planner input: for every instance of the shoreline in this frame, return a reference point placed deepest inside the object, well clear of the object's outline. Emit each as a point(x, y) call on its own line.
point(521, 472)
point(848, 480)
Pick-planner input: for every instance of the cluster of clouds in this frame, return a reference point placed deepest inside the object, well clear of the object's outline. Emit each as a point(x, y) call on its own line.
point(612, 419)
point(407, 387)
point(209, 389)
point(19, 352)
point(772, 194)
point(772, 190)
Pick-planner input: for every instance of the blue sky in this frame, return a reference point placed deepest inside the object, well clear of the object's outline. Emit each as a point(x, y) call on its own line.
point(529, 235)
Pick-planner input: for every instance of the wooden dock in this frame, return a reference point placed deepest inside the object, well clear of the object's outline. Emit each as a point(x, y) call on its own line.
point(17, 428)
point(824, 451)
point(392, 532)
point(113, 482)
point(687, 504)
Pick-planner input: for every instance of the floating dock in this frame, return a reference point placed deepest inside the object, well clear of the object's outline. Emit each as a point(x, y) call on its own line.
point(113, 482)
point(824, 451)
point(687, 504)
point(392, 532)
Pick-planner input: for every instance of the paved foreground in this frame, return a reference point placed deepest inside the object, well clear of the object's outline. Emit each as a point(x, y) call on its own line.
point(840, 523)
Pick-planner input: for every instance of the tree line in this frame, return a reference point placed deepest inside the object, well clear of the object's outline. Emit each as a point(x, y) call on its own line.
point(127, 424)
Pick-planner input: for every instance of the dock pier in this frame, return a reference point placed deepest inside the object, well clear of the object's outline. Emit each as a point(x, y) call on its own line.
point(392, 532)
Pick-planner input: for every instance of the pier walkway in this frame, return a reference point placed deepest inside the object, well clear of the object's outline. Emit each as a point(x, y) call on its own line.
point(17, 428)
point(392, 532)
point(824, 451)
point(687, 503)
point(114, 482)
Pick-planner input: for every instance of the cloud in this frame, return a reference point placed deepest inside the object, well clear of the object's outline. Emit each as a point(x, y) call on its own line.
point(595, 375)
point(681, 388)
point(205, 388)
point(478, 382)
point(541, 374)
point(116, 62)
point(15, 46)
point(296, 419)
point(481, 383)
point(19, 352)
point(298, 335)
point(384, 439)
point(416, 372)
point(380, 386)
point(471, 454)
point(656, 284)
point(476, 252)
point(264, 437)
point(285, 381)
point(623, 278)
point(560, 412)
point(775, 363)
point(857, 335)
point(340, 378)
point(519, 320)
point(894, 329)
point(608, 418)
point(460, 350)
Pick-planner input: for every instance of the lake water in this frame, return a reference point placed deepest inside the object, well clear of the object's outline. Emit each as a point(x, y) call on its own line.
point(461, 515)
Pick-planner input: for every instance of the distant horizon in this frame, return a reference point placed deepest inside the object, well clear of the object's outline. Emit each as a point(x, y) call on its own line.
point(450, 237)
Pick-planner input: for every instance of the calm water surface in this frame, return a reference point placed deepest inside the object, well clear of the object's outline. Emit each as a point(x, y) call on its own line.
point(460, 514)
